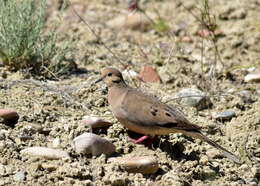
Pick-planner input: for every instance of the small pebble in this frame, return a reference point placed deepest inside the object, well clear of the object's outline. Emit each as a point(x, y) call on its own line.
point(241, 182)
point(187, 39)
point(19, 176)
point(204, 160)
point(10, 116)
point(245, 96)
point(93, 144)
point(2, 146)
point(244, 167)
point(142, 164)
point(213, 153)
point(34, 126)
point(46, 153)
point(226, 115)
point(2, 170)
point(49, 166)
point(165, 74)
point(252, 77)
point(95, 122)
point(207, 172)
point(257, 90)
point(56, 143)
point(204, 33)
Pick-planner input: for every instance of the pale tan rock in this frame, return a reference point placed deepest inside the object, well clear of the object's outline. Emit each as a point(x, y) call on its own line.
point(95, 122)
point(49, 166)
point(46, 153)
point(93, 144)
point(142, 164)
point(132, 20)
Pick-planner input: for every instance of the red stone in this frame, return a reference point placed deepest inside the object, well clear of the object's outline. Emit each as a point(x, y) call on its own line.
point(204, 33)
point(149, 75)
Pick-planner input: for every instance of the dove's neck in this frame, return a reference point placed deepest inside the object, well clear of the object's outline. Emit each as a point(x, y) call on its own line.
point(116, 95)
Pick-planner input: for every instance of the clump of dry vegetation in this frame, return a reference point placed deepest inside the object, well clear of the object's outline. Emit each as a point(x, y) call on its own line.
point(25, 46)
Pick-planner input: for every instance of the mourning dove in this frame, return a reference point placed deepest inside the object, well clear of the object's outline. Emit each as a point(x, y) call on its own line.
point(146, 115)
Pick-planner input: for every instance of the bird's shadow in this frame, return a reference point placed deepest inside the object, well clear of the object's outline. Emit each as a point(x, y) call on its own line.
point(175, 151)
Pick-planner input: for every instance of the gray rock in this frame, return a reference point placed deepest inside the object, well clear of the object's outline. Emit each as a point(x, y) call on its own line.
point(246, 96)
point(252, 181)
point(19, 176)
point(89, 143)
point(194, 98)
point(208, 172)
point(226, 115)
point(240, 182)
point(165, 74)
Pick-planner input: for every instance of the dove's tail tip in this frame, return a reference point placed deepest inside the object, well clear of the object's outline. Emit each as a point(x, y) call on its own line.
point(224, 151)
point(232, 157)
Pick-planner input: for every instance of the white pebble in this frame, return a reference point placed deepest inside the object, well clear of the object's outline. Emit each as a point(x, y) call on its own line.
point(45, 152)
point(56, 143)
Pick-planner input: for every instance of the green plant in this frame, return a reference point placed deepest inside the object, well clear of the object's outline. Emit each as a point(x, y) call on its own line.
point(160, 25)
point(23, 44)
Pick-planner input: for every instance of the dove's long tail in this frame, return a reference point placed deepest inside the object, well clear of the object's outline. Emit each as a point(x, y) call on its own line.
point(202, 137)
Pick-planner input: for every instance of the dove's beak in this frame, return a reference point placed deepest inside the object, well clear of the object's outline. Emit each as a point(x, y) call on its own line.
point(98, 80)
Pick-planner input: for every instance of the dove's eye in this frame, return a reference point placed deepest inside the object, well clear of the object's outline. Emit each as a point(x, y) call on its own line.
point(109, 74)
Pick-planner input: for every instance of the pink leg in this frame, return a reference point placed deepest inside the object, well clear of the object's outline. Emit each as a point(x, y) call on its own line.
point(150, 141)
point(139, 140)
point(142, 139)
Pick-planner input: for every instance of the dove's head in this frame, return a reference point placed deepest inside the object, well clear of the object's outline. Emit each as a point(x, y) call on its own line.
point(112, 77)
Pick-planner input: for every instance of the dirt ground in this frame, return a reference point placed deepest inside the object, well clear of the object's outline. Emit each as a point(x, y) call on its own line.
point(52, 110)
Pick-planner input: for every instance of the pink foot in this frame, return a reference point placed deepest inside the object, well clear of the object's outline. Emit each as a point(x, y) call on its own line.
point(148, 141)
point(139, 140)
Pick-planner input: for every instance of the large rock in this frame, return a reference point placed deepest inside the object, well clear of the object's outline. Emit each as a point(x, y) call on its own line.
point(194, 98)
point(142, 164)
point(89, 143)
point(149, 75)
